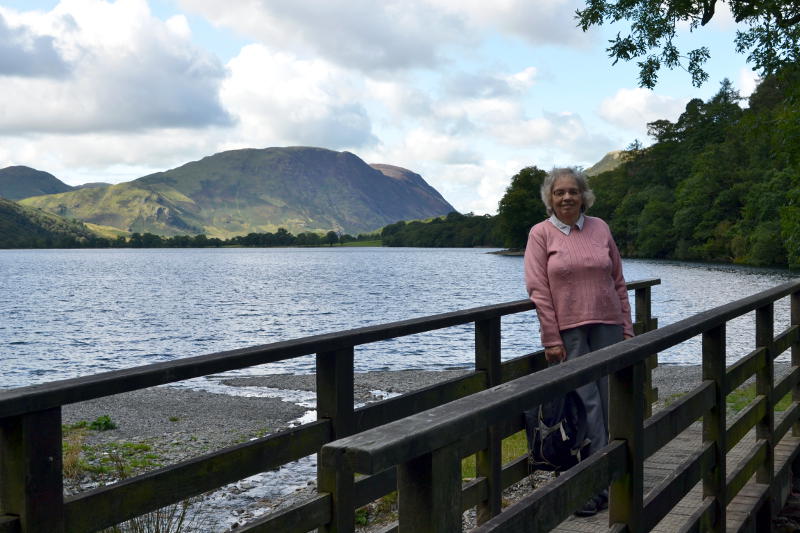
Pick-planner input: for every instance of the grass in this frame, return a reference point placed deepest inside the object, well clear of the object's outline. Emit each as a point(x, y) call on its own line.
point(741, 398)
point(363, 243)
point(738, 399)
point(513, 447)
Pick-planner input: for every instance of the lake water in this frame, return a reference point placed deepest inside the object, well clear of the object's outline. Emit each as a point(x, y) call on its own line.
point(67, 313)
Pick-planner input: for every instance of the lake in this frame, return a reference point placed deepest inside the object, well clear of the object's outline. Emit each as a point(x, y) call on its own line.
point(67, 313)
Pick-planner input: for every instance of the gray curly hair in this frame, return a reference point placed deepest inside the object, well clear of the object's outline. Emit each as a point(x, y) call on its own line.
point(567, 172)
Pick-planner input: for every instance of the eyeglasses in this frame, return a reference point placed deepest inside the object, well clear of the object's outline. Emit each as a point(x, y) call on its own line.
point(558, 193)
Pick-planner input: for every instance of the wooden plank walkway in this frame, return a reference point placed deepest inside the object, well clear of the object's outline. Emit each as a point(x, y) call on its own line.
point(663, 463)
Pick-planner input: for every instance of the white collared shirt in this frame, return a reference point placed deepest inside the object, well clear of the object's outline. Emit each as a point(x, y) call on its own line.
point(566, 228)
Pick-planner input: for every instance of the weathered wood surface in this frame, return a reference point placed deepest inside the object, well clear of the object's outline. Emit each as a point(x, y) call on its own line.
point(659, 472)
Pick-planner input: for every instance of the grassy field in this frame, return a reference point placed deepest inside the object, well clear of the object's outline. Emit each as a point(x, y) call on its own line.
point(362, 243)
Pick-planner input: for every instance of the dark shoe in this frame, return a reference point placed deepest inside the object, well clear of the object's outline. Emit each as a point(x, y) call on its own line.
point(594, 505)
point(589, 508)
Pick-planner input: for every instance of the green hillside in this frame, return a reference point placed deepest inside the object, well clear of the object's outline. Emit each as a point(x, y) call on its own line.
point(22, 182)
point(24, 227)
point(256, 190)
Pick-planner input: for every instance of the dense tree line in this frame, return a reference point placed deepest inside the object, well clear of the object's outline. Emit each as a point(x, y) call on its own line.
point(453, 231)
point(721, 183)
point(149, 240)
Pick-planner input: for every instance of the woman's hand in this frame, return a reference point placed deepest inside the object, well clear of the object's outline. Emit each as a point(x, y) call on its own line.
point(555, 354)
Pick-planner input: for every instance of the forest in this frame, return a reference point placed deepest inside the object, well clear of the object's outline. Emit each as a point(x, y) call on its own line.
point(719, 184)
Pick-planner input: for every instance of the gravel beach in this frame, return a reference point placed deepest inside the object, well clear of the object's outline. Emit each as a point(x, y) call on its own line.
point(175, 424)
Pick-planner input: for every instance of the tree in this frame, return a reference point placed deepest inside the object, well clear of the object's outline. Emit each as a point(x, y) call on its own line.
point(331, 238)
point(772, 39)
point(521, 207)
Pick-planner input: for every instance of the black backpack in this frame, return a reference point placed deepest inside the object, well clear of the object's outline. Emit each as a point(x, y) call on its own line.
point(556, 434)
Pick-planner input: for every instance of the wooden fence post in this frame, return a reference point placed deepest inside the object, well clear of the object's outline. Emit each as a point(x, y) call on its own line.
point(795, 321)
point(488, 460)
point(626, 421)
point(765, 333)
point(795, 351)
point(335, 402)
point(429, 492)
point(714, 423)
point(644, 317)
point(31, 471)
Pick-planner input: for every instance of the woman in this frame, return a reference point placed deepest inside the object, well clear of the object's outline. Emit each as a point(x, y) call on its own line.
point(573, 273)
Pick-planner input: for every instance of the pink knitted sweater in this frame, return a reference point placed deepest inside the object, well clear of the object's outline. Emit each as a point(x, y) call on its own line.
point(575, 279)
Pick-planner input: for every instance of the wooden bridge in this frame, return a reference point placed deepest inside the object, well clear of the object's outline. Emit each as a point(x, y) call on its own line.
point(722, 474)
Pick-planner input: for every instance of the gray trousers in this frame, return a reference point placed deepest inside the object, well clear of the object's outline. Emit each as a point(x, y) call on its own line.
point(577, 342)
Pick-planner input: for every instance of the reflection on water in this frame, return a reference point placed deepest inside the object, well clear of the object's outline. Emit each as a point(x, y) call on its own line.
point(67, 313)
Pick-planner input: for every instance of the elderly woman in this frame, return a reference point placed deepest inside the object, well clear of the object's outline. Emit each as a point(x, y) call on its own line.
point(573, 273)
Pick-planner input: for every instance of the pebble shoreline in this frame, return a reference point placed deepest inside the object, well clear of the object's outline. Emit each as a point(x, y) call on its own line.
point(179, 423)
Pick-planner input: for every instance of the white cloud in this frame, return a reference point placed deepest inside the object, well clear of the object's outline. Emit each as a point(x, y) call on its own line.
point(632, 109)
point(126, 70)
point(538, 21)
point(107, 156)
point(361, 34)
point(280, 99)
point(426, 145)
point(473, 188)
point(748, 81)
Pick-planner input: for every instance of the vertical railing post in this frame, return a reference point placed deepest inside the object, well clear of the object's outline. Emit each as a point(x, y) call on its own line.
point(765, 333)
point(31, 473)
point(644, 317)
point(429, 492)
point(335, 402)
point(795, 350)
point(488, 461)
point(714, 429)
point(626, 421)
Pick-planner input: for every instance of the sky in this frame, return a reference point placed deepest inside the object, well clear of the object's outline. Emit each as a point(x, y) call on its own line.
point(464, 92)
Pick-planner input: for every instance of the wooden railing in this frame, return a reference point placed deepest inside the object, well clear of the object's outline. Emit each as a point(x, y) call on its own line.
point(426, 448)
point(31, 481)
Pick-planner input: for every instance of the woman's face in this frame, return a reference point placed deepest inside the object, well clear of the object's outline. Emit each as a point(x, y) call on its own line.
point(566, 199)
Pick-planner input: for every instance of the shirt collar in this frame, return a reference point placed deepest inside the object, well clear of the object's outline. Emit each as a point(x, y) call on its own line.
point(566, 228)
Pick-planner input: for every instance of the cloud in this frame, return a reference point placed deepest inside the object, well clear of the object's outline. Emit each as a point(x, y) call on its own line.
point(360, 34)
point(107, 156)
point(24, 53)
point(538, 22)
point(632, 109)
point(125, 70)
point(487, 86)
point(280, 99)
point(748, 81)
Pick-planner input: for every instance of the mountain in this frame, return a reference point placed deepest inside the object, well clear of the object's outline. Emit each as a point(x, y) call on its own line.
point(19, 182)
point(257, 190)
point(610, 161)
point(23, 227)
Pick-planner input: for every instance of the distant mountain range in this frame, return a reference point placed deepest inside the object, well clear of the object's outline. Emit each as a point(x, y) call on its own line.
point(242, 191)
